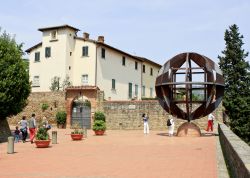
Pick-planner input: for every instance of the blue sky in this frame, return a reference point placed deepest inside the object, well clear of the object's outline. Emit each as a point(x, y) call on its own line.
point(157, 30)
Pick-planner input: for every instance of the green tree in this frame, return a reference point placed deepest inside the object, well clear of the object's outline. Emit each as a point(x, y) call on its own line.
point(237, 83)
point(55, 84)
point(14, 81)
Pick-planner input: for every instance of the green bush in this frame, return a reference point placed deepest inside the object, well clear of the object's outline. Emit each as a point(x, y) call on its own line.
point(45, 106)
point(61, 117)
point(99, 116)
point(42, 134)
point(99, 125)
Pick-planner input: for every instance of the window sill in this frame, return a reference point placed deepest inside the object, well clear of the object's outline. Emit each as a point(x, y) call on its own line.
point(53, 40)
point(84, 56)
point(36, 61)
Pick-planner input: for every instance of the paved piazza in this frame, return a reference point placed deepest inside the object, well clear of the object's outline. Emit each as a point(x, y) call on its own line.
point(118, 154)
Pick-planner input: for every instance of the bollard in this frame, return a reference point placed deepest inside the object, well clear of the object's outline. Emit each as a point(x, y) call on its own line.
point(54, 137)
point(85, 132)
point(10, 145)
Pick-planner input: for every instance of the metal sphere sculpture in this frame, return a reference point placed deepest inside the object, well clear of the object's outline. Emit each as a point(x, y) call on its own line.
point(189, 86)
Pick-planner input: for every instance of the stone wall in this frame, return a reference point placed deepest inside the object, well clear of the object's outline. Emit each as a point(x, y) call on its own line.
point(236, 152)
point(128, 115)
point(119, 114)
point(55, 100)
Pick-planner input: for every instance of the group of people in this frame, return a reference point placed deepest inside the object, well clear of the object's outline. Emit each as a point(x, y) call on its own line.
point(29, 126)
point(171, 124)
point(146, 126)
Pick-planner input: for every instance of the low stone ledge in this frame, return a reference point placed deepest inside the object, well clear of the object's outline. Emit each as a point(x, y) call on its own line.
point(236, 152)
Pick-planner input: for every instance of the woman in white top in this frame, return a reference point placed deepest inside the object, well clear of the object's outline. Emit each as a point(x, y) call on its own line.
point(210, 122)
point(171, 127)
point(145, 123)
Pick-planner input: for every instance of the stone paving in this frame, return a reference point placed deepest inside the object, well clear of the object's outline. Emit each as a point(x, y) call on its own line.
point(118, 154)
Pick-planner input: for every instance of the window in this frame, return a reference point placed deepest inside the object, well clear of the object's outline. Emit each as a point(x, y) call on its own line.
point(130, 90)
point(70, 53)
point(123, 60)
point(143, 68)
point(53, 35)
point(47, 52)
point(36, 82)
point(103, 53)
point(85, 79)
point(136, 90)
point(151, 71)
point(85, 51)
point(113, 84)
point(37, 57)
point(143, 90)
point(136, 65)
point(151, 92)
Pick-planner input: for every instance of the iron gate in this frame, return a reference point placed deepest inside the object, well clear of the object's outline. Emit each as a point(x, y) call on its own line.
point(81, 115)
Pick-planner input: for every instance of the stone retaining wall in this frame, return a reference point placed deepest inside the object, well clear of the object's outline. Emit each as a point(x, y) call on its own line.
point(128, 115)
point(55, 101)
point(236, 152)
point(119, 114)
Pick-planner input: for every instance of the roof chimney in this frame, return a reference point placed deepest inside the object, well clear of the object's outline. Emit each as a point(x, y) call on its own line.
point(85, 36)
point(101, 39)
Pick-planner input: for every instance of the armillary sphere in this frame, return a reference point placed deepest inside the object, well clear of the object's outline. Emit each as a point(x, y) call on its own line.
point(189, 86)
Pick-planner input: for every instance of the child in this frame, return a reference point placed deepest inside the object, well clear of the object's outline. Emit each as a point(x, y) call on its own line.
point(17, 132)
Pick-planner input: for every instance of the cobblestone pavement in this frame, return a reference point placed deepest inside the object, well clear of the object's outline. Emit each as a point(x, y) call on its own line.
point(118, 154)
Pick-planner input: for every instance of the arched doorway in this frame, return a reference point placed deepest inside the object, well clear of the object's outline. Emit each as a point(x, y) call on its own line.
point(81, 112)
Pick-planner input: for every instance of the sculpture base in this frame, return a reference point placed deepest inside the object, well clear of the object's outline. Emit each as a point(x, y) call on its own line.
point(188, 129)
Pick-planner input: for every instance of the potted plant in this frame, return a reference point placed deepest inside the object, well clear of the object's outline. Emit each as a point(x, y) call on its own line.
point(77, 134)
point(42, 138)
point(99, 116)
point(61, 119)
point(99, 127)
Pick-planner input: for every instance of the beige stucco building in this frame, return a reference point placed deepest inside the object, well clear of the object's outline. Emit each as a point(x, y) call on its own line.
point(84, 61)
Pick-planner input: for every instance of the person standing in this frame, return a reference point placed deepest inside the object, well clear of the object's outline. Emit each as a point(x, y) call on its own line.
point(145, 123)
point(17, 132)
point(170, 124)
point(24, 128)
point(46, 123)
point(210, 122)
point(32, 127)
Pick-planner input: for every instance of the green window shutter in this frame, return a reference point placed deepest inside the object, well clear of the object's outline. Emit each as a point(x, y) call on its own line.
point(113, 83)
point(143, 90)
point(136, 90)
point(130, 90)
point(85, 50)
point(103, 53)
point(37, 56)
point(123, 60)
point(47, 52)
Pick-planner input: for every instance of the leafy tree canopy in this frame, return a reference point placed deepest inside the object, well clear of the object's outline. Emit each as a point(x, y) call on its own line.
point(14, 78)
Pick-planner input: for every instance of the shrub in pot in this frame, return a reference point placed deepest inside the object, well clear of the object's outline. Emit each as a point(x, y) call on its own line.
point(99, 116)
point(77, 134)
point(42, 138)
point(61, 119)
point(99, 127)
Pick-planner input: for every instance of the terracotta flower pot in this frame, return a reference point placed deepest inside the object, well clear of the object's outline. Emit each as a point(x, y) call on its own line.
point(76, 136)
point(99, 132)
point(42, 143)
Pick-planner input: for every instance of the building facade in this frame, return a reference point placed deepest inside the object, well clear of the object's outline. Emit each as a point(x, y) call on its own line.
point(88, 62)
